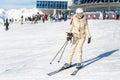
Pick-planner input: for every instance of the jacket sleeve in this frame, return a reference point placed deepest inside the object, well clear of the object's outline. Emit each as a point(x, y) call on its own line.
point(70, 28)
point(87, 30)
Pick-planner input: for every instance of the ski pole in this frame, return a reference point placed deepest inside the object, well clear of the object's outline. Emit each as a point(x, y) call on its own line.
point(58, 52)
point(62, 52)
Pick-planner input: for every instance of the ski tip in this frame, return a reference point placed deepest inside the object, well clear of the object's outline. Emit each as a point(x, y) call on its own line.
point(50, 63)
point(48, 74)
point(72, 74)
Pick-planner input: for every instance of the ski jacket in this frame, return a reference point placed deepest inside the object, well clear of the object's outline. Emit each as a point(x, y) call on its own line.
point(6, 24)
point(79, 28)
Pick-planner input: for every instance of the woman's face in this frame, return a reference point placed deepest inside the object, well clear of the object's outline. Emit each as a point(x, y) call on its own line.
point(79, 16)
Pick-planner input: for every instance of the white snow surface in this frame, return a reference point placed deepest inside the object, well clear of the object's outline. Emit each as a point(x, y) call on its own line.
point(26, 51)
point(17, 13)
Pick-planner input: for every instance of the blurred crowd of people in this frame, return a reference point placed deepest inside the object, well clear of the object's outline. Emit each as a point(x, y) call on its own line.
point(36, 18)
point(45, 17)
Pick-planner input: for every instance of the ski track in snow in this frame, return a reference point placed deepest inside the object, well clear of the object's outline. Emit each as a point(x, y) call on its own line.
point(26, 50)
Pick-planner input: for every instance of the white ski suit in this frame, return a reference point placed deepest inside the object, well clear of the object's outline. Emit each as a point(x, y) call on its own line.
point(79, 29)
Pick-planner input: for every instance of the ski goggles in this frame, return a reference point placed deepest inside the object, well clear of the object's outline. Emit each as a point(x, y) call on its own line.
point(79, 13)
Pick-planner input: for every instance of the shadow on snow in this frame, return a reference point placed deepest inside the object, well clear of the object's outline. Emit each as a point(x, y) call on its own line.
point(106, 54)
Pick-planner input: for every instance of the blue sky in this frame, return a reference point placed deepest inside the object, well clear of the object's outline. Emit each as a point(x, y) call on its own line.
point(10, 4)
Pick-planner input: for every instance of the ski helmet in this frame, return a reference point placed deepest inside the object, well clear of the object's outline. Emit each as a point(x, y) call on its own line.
point(79, 11)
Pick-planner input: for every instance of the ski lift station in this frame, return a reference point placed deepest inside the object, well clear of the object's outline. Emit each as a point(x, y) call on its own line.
point(87, 5)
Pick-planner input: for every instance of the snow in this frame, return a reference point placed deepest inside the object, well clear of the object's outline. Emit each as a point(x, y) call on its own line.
point(17, 13)
point(2, 13)
point(26, 50)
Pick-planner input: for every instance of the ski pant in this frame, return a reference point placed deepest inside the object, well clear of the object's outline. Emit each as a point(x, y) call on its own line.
point(76, 46)
point(6, 28)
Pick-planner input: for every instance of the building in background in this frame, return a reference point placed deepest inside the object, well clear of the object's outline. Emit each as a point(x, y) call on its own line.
point(108, 9)
point(52, 6)
point(96, 5)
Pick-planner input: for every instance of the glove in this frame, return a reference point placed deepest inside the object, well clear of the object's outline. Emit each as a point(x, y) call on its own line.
point(89, 40)
point(69, 36)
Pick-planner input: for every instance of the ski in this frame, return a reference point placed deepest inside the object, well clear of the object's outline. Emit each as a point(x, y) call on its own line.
point(59, 70)
point(76, 71)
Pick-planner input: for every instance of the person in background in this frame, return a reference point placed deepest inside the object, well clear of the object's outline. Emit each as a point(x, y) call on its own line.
point(6, 25)
point(51, 18)
point(21, 19)
point(43, 18)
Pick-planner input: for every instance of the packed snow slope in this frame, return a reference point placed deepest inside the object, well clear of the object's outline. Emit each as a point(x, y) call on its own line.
point(26, 51)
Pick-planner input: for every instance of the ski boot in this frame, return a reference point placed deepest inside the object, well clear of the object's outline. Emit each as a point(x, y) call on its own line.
point(78, 65)
point(66, 65)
